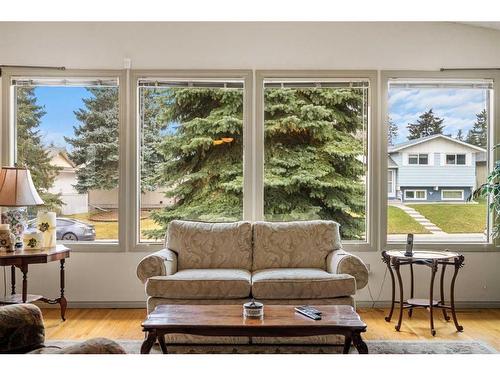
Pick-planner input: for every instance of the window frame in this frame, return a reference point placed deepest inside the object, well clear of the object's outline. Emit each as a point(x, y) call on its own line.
point(133, 178)
point(456, 160)
point(452, 190)
point(7, 139)
point(419, 158)
point(414, 191)
point(493, 138)
point(373, 144)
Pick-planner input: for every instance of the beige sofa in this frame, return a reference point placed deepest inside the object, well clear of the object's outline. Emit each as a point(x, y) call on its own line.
point(294, 263)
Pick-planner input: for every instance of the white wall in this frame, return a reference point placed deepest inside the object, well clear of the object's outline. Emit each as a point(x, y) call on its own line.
point(424, 46)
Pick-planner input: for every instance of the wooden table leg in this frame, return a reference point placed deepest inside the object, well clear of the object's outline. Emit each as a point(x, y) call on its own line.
point(359, 344)
point(163, 345)
point(434, 267)
point(347, 344)
point(24, 270)
point(410, 310)
point(387, 261)
point(62, 300)
point(149, 342)
point(441, 287)
point(458, 264)
point(401, 302)
point(13, 280)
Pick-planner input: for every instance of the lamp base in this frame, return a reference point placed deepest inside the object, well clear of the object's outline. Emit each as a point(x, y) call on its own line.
point(17, 218)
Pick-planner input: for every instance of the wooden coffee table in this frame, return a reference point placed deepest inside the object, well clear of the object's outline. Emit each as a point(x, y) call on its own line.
point(228, 320)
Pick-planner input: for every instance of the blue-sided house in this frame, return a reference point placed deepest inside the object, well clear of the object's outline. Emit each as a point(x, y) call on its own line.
point(436, 168)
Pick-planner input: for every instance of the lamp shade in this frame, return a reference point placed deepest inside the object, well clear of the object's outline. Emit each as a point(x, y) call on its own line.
point(17, 188)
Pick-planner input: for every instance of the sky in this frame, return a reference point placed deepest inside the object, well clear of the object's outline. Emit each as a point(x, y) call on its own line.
point(458, 107)
point(60, 104)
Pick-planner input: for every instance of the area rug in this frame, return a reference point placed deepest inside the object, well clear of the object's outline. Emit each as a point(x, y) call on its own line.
point(374, 347)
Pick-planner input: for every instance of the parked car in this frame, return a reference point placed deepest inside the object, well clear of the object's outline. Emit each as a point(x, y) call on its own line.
point(69, 229)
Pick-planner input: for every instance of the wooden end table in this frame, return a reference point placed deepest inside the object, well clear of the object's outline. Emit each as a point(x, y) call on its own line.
point(433, 259)
point(21, 259)
point(228, 320)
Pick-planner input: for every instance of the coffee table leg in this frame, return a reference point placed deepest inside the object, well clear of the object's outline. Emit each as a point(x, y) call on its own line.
point(149, 342)
point(359, 344)
point(458, 264)
point(163, 346)
point(401, 302)
point(347, 344)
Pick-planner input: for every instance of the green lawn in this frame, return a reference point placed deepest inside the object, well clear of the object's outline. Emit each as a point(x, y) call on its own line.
point(108, 230)
point(399, 222)
point(455, 218)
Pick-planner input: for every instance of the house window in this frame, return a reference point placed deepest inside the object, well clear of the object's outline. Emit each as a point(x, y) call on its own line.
point(315, 152)
point(66, 132)
point(455, 159)
point(190, 152)
point(416, 195)
point(449, 117)
point(418, 159)
point(452, 195)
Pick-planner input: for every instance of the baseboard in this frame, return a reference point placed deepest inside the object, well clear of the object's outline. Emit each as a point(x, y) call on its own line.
point(362, 304)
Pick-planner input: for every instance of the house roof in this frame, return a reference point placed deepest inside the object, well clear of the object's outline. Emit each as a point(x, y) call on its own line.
point(55, 151)
point(391, 163)
point(413, 142)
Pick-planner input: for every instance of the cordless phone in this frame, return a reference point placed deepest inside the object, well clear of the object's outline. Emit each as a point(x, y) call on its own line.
point(409, 245)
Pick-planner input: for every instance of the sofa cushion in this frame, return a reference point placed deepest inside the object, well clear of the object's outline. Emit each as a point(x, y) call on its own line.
point(211, 245)
point(201, 283)
point(289, 283)
point(295, 244)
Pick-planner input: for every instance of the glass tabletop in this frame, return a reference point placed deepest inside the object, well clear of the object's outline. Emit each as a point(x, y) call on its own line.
point(423, 254)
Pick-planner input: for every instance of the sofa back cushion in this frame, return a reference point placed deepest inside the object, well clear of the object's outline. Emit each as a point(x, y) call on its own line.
point(211, 245)
point(294, 244)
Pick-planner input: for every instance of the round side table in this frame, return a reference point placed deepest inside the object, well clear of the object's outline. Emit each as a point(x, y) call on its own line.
point(394, 259)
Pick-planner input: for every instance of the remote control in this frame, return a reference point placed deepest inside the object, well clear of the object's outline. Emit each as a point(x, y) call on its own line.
point(310, 309)
point(308, 314)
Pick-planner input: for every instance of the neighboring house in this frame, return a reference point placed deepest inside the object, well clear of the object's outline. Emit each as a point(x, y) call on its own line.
point(74, 203)
point(433, 169)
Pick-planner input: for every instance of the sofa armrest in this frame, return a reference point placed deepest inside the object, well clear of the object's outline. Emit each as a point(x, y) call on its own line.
point(161, 263)
point(21, 328)
point(340, 261)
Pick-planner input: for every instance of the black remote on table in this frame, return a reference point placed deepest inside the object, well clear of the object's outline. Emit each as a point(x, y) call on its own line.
point(310, 315)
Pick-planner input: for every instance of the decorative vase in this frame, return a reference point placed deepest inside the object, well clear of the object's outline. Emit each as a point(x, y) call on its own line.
point(16, 217)
point(6, 238)
point(46, 223)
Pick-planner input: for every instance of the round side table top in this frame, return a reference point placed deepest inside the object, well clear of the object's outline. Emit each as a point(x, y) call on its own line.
point(423, 254)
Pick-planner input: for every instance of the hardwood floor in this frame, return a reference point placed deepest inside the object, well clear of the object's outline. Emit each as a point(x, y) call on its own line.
point(479, 324)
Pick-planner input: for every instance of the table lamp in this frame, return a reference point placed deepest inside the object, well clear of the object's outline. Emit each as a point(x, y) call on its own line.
point(16, 192)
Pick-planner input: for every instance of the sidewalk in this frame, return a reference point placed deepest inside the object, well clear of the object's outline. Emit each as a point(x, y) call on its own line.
point(419, 218)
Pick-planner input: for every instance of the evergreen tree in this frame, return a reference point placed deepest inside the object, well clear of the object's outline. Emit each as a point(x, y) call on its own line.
point(313, 156)
point(31, 152)
point(151, 113)
point(392, 131)
point(460, 135)
point(478, 135)
point(202, 156)
point(95, 143)
point(427, 124)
